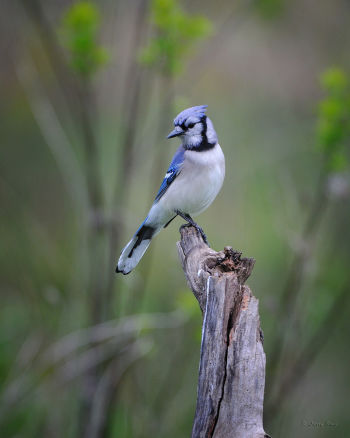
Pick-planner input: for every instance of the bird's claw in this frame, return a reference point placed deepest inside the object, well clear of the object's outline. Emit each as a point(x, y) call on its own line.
point(192, 223)
point(202, 233)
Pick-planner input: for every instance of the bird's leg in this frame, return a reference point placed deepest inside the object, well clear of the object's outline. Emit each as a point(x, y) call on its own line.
point(189, 220)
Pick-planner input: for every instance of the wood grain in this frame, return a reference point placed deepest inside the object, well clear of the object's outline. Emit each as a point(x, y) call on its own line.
point(231, 381)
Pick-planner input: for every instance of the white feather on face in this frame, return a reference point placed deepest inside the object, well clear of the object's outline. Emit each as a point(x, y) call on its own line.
point(198, 131)
point(211, 134)
point(193, 135)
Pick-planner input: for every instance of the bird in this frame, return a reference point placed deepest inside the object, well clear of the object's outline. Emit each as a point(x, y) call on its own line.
point(191, 183)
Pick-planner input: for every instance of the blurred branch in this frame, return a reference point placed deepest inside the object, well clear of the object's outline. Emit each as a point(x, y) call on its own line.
point(66, 372)
point(101, 342)
point(299, 366)
point(94, 357)
point(88, 119)
point(77, 92)
point(131, 100)
point(237, 15)
point(117, 329)
point(54, 135)
point(105, 391)
point(333, 134)
point(29, 350)
point(295, 277)
point(68, 85)
point(79, 28)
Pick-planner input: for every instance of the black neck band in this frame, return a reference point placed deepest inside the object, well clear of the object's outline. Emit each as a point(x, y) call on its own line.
point(204, 145)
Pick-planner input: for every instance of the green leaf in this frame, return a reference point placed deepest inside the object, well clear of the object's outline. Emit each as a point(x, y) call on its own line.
point(175, 34)
point(338, 161)
point(269, 9)
point(329, 134)
point(332, 108)
point(79, 29)
point(334, 80)
point(333, 124)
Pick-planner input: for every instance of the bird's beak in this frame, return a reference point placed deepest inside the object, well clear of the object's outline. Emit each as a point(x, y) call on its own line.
point(176, 132)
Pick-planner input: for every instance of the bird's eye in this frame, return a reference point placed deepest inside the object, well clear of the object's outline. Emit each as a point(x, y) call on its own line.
point(191, 125)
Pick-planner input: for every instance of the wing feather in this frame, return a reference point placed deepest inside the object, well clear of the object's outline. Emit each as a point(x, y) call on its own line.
point(172, 172)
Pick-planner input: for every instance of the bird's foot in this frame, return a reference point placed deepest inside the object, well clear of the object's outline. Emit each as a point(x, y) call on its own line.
point(186, 225)
point(202, 233)
point(191, 222)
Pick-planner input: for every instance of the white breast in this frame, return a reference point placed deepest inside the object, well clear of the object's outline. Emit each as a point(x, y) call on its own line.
point(198, 184)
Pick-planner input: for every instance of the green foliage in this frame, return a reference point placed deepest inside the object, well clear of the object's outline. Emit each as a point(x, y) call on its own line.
point(269, 9)
point(80, 27)
point(333, 126)
point(176, 32)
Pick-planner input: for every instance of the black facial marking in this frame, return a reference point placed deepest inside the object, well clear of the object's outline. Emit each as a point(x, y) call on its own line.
point(205, 127)
point(205, 145)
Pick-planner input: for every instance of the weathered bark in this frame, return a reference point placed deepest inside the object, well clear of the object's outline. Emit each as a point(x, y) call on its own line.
point(231, 380)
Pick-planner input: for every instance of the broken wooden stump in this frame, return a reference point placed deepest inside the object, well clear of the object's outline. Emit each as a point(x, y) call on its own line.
point(231, 379)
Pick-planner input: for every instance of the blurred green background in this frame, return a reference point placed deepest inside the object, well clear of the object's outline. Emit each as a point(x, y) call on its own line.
point(89, 92)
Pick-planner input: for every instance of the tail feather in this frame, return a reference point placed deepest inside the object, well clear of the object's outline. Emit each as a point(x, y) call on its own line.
point(135, 249)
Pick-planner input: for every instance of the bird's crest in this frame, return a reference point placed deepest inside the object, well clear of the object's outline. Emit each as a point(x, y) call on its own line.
point(197, 111)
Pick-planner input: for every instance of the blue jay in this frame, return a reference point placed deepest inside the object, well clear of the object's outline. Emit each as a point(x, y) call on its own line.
point(190, 185)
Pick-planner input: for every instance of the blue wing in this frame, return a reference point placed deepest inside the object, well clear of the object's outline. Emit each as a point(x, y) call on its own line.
point(172, 172)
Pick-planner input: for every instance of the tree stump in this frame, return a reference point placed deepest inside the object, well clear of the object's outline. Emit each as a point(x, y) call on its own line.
point(231, 379)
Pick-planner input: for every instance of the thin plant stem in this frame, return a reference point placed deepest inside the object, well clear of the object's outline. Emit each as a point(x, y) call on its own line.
point(296, 273)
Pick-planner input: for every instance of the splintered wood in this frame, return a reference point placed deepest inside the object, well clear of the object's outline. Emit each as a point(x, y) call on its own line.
point(231, 379)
